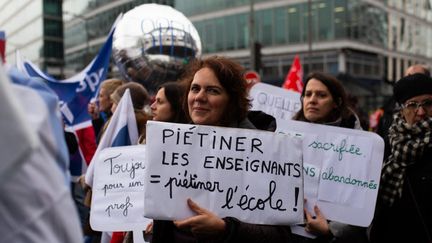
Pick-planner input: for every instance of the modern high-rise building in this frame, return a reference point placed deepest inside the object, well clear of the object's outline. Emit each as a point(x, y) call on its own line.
point(35, 28)
point(367, 43)
point(87, 24)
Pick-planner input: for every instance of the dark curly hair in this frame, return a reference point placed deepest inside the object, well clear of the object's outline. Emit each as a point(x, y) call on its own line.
point(230, 75)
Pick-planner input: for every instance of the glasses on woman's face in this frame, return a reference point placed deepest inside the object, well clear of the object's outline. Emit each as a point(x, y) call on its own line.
point(414, 106)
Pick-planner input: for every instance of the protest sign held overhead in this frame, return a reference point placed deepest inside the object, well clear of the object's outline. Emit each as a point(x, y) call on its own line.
point(341, 170)
point(282, 104)
point(255, 176)
point(118, 189)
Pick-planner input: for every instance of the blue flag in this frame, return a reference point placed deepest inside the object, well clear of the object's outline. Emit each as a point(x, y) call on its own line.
point(76, 92)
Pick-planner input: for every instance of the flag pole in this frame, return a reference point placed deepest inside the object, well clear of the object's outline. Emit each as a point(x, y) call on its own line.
point(252, 36)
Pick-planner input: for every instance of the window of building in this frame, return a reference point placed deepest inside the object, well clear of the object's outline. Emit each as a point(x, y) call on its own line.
point(53, 49)
point(294, 23)
point(280, 25)
point(324, 19)
point(220, 36)
point(243, 31)
point(53, 28)
point(230, 33)
point(264, 27)
point(340, 19)
point(52, 7)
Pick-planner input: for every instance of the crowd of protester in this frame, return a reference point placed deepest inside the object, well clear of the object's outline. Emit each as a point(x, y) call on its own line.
point(213, 92)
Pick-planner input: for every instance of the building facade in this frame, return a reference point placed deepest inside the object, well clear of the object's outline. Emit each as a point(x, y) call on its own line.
point(366, 43)
point(35, 28)
point(87, 24)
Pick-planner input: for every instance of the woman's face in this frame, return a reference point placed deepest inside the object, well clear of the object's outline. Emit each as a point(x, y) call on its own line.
point(207, 98)
point(104, 100)
point(161, 108)
point(417, 108)
point(317, 102)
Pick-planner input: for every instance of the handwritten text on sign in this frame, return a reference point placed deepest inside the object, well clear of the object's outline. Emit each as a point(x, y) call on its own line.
point(252, 175)
point(341, 170)
point(118, 189)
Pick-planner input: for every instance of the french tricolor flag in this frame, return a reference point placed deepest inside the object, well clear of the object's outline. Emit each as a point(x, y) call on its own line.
point(122, 130)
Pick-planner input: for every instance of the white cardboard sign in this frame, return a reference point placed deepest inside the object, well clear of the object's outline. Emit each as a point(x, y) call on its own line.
point(281, 103)
point(342, 169)
point(255, 176)
point(118, 189)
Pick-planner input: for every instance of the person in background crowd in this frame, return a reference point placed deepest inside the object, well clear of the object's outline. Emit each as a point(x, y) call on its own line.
point(417, 68)
point(167, 106)
point(77, 191)
point(324, 101)
point(390, 106)
point(404, 212)
point(35, 202)
point(353, 103)
point(140, 98)
point(100, 111)
point(216, 96)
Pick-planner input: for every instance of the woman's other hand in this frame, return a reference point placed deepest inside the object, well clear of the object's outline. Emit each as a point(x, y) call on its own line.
point(317, 225)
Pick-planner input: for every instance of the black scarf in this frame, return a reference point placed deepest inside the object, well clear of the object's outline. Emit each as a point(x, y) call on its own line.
point(408, 142)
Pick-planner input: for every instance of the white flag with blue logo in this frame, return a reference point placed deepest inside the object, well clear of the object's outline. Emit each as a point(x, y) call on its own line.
point(122, 130)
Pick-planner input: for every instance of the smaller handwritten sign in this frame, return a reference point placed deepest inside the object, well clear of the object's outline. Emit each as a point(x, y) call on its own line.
point(252, 175)
point(341, 168)
point(282, 104)
point(118, 189)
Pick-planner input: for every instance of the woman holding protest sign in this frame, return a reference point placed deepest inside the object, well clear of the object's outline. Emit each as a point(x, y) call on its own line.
point(324, 101)
point(216, 96)
point(139, 98)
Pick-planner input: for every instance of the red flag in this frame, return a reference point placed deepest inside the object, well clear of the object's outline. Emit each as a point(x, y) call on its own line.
point(2, 46)
point(87, 142)
point(294, 79)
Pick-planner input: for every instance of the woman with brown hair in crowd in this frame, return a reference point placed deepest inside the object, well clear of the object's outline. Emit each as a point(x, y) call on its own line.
point(216, 95)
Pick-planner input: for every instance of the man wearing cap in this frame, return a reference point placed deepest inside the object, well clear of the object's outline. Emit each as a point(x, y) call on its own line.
point(404, 205)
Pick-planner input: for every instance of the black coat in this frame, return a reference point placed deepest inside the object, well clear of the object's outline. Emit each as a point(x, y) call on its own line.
point(409, 219)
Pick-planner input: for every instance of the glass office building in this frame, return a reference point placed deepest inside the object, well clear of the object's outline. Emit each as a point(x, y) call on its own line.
point(367, 43)
point(35, 28)
point(87, 24)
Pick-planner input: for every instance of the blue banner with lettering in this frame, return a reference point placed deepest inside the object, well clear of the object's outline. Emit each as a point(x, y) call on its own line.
point(76, 92)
